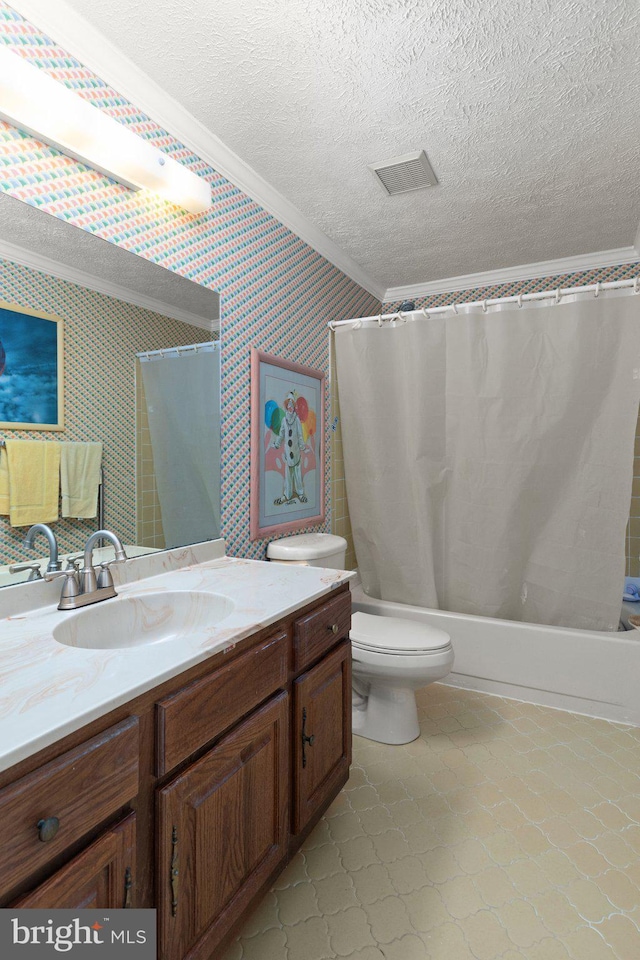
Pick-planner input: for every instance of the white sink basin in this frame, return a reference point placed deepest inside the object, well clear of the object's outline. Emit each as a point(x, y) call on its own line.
point(143, 619)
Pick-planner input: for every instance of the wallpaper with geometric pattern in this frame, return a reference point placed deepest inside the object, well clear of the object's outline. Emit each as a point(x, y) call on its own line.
point(101, 338)
point(624, 271)
point(276, 292)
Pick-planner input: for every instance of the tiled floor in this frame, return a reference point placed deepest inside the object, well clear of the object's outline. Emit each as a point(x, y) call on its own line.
point(506, 831)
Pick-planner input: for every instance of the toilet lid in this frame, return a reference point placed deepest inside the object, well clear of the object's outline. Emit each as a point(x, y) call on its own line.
point(395, 635)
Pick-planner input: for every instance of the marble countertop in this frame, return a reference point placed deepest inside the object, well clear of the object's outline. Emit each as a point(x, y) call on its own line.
point(49, 689)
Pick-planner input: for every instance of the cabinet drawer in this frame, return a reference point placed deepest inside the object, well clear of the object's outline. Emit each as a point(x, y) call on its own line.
point(205, 708)
point(79, 789)
point(320, 630)
point(102, 877)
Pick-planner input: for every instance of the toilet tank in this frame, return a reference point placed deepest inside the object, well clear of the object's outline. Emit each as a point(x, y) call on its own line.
point(311, 549)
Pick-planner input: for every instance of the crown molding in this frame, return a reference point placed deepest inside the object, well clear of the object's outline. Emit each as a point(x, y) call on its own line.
point(63, 271)
point(526, 271)
point(68, 28)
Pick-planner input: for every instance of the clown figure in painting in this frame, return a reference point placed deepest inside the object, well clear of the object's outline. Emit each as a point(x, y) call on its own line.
point(292, 437)
point(287, 449)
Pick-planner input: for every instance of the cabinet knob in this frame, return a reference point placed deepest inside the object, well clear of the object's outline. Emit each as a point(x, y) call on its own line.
point(333, 627)
point(47, 828)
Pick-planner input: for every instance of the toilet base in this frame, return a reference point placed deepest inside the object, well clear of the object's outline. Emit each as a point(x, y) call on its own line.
point(388, 715)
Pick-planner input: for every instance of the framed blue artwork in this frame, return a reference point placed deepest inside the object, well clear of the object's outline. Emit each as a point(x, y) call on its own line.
point(31, 370)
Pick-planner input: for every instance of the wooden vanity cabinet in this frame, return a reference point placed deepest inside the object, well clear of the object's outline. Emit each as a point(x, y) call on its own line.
point(321, 707)
point(194, 796)
point(322, 733)
point(49, 810)
point(101, 877)
point(223, 829)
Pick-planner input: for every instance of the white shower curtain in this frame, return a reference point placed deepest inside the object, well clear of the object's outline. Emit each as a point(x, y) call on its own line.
point(489, 457)
point(182, 390)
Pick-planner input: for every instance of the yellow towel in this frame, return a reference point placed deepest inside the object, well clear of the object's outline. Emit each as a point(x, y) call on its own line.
point(80, 478)
point(34, 481)
point(4, 483)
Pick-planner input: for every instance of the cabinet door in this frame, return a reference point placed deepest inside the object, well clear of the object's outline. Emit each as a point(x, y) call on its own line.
point(322, 733)
point(222, 830)
point(100, 876)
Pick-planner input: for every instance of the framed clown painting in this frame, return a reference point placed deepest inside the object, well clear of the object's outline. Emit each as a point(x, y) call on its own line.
point(31, 369)
point(287, 446)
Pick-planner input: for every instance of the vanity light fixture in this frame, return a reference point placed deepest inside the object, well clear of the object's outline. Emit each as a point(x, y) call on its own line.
point(33, 101)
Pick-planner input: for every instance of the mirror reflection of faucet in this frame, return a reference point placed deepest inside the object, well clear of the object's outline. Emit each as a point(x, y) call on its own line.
point(82, 586)
point(21, 567)
point(28, 542)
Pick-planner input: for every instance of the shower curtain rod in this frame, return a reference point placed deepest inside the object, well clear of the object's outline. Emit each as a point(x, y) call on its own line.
point(209, 346)
point(558, 294)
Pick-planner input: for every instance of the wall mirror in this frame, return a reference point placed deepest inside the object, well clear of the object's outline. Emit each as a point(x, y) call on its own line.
point(135, 337)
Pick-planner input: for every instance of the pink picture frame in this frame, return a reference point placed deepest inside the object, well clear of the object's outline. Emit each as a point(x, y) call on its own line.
point(287, 446)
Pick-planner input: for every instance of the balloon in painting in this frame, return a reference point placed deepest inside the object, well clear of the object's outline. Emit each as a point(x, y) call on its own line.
point(311, 422)
point(302, 408)
point(269, 407)
point(276, 419)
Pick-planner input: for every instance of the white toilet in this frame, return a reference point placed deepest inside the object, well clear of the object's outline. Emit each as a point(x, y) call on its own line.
point(392, 658)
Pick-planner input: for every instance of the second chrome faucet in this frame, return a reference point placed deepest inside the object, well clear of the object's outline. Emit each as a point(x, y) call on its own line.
point(82, 587)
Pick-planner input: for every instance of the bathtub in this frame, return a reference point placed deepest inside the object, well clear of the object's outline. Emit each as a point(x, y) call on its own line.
point(586, 671)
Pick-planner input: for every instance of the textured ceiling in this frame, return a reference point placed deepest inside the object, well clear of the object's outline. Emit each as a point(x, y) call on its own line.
point(25, 227)
point(527, 109)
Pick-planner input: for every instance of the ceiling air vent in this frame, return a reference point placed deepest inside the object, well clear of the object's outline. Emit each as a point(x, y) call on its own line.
point(412, 171)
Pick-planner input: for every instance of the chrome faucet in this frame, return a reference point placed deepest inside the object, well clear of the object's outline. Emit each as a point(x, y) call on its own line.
point(88, 580)
point(54, 563)
point(82, 587)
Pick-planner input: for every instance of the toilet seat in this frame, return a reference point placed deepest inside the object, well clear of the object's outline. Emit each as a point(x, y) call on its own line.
point(396, 636)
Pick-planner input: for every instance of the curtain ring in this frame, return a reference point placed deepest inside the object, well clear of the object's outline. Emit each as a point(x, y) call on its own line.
point(484, 306)
point(558, 295)
point(520, 302)
point(454, 307)
point(380, 320)
point(636, 285)
point(597, 290)
point(426, 313)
